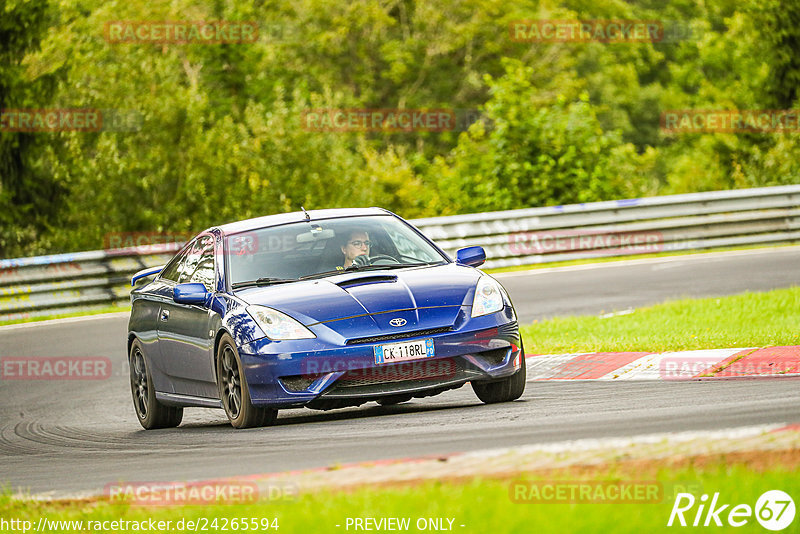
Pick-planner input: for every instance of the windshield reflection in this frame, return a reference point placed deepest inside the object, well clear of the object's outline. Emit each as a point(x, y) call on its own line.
point(314, 249)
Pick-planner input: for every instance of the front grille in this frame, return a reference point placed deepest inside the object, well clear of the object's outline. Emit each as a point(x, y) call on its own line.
point(430, 369)
point(399, 335)
point(419, 387)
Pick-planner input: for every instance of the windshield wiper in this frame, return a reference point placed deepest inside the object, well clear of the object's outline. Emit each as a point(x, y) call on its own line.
point(322, 274)
point(354, 268)
point(378, 267)
point(265, 281)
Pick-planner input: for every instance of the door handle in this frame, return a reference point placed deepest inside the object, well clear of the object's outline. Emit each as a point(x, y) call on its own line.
point(164, 315)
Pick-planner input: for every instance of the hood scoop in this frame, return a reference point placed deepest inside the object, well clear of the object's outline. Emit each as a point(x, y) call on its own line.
point(366, 280)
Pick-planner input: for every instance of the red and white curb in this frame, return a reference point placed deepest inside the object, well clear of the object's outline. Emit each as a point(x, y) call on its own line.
point(685, 365)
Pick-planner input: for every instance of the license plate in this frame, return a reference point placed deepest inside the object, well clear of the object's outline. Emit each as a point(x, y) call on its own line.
point(407, 350)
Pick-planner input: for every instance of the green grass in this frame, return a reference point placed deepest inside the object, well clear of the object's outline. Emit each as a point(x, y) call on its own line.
point(608, 259)
point(481, 505)
point(98, 311)
point(746, 320)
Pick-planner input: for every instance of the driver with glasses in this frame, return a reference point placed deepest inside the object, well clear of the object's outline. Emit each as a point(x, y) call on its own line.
point(356, 249)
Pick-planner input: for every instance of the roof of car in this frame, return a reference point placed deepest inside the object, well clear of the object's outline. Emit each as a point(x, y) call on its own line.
point(296, 216)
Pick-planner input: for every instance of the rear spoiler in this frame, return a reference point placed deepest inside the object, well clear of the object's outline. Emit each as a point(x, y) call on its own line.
point(144, 273)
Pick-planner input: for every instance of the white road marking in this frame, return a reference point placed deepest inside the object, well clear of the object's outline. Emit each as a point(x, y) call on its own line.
point(547, 366)
point(681, 365)
point(66, 320)
point(623, 442)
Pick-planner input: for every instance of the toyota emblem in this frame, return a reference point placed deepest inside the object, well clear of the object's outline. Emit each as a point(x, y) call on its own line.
point(397, 321)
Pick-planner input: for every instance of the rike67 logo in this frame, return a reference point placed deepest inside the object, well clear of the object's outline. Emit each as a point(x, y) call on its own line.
point(774, 510)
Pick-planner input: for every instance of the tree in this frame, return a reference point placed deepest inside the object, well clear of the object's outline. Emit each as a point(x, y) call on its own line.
point(29, 195)
point(540, 151)
point(778, 25)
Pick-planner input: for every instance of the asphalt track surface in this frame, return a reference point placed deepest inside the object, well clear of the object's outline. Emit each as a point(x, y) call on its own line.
point(70, 436)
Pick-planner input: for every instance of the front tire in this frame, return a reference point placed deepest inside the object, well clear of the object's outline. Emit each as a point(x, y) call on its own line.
point(504, 390)
point(233, 390)
point(150, 412)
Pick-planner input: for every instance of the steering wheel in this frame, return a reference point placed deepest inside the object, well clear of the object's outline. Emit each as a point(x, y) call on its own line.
point(374, 260)
point(382, 258)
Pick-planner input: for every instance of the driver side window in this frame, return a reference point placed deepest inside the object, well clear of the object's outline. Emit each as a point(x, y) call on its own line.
point(199, 263)
point(174, 268)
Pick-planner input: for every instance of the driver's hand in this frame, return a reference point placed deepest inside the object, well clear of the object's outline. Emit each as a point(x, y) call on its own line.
point(361, 261)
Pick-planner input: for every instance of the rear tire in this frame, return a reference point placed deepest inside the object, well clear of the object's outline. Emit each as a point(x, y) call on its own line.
point(504, 390)
point(150, 412)
point(233, 390)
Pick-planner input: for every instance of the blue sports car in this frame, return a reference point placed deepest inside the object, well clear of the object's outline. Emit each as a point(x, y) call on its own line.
point(324, 309)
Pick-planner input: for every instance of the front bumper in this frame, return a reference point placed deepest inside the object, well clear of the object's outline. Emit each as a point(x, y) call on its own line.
point(323, 376)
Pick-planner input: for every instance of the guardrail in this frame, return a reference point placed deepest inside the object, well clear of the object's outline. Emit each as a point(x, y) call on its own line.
point(64, 283)
point(693, 221)
point(81, 281)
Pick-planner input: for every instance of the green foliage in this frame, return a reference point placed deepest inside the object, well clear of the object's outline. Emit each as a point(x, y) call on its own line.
point(29, 195)
point(540, 151)
point(220, 133)
point(778, 25)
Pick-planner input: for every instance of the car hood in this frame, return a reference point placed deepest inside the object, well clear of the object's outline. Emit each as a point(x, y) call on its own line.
point(371, 294)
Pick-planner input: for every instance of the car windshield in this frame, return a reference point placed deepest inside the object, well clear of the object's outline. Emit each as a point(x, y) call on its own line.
point(313, 249)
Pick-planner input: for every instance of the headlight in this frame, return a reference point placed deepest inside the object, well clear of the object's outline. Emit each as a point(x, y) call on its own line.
point(488, 297)
point(278, 326)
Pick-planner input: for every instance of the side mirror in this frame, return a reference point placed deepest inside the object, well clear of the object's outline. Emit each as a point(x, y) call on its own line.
point(190, 293)
point(471, 256)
